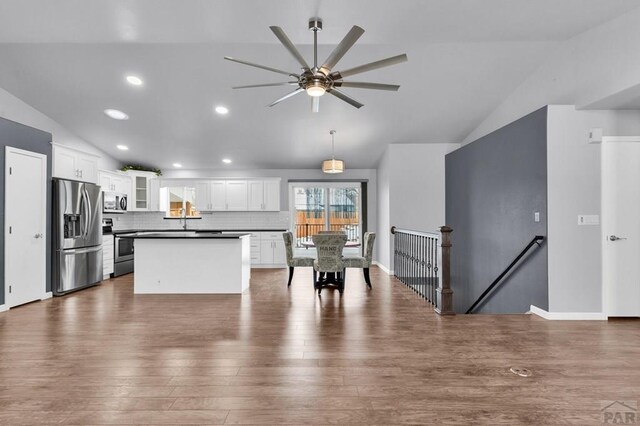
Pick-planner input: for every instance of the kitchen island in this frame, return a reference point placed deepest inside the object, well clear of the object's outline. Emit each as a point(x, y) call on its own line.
point(191, 262)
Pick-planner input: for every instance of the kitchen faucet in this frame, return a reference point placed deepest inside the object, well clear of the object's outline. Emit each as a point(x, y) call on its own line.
point(183, 215)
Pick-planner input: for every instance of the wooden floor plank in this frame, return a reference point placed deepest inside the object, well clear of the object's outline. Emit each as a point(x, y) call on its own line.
point(279, 355)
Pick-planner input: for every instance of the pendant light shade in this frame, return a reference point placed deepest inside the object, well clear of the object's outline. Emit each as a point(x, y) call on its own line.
point(333, 165)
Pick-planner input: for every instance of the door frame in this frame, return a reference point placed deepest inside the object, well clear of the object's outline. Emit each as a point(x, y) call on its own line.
point(604, 170)
point(43, 157)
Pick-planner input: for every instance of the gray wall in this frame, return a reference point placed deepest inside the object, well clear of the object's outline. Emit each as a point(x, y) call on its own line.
point(493, 187)
point(19, 136)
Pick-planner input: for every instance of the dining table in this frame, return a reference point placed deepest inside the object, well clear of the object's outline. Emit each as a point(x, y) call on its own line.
point(349, 244)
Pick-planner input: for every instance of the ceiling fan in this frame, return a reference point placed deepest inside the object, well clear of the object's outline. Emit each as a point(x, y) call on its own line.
point(318, 80)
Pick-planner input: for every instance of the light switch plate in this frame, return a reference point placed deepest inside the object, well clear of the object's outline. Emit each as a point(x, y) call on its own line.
point(588, 219)
point(536, 216)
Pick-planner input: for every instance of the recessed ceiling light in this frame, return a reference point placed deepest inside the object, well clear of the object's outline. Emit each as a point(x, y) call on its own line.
point(226, 161)
point(222, 110)
point(178, 165)
point(134, 80)
point(122, 147)
point(116, 114)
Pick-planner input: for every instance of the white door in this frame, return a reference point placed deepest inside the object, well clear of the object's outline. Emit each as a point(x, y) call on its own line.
point(25, 224)
point(621, 225)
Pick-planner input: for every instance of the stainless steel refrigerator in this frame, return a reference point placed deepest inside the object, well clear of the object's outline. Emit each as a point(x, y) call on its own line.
point(77, 235)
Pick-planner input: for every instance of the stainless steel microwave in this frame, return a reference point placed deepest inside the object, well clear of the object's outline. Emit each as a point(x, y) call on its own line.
point(114, 202)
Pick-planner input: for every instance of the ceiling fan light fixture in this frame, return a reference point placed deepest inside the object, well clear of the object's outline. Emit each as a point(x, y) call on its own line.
point(315, 91)
point(316, 88)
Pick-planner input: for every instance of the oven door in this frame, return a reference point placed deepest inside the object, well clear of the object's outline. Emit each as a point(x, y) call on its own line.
point(123, 249)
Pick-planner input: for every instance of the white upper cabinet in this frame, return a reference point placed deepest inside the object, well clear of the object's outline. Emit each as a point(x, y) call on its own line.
point(232, 194)
point(264, 195)
point(141, 191)
point(236, 195)
point(203, 196)
point(114, 182)
point(72, 164)
point(155, 205)
point(218, 193)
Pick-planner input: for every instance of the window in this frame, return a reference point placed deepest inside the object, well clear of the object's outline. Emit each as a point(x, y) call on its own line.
point(323, 206)
point(181, 202)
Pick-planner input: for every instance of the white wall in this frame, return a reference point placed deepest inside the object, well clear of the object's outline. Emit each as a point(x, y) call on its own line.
point(411, 191)
point(589, 67)
point(382, 247)
point(573, 167)
point(16, 110)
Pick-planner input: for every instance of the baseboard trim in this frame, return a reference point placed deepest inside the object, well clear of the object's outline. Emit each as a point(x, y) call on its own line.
point(47, 295)
point(384, 268)
point(3, 308)
point(568, 316)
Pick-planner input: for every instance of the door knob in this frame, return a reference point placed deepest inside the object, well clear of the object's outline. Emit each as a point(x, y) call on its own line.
point(614, 238)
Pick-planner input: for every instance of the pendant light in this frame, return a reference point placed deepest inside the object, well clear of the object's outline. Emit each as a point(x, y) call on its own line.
point(333, 165)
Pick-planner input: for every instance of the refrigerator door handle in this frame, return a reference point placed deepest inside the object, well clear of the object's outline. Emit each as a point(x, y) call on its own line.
point(81, 250)
point(89, 212)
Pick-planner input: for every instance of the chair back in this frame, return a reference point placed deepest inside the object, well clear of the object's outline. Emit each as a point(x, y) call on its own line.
point(288, 245)
point(329, 248)
point(369, 238)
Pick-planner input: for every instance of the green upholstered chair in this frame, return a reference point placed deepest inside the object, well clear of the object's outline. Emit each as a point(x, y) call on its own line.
point(292, 261)
point(329, 249)
point(363, 262)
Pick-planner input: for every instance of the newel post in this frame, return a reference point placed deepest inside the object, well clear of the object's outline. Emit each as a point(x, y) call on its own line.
point(444, 294)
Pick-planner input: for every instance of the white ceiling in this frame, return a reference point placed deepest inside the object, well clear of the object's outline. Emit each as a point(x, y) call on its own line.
point(68, 59)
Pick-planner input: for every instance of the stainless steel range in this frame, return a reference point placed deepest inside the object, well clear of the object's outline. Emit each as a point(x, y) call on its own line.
point(123, 256)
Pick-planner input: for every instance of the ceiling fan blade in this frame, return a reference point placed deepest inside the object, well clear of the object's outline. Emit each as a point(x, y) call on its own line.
point(315, 103)
point(339, 75)
point(362, 85)
point(347, 42)
point(340, 95)
point(290, 83)
point(251, 64)
point(290, 46)
point(287, 96)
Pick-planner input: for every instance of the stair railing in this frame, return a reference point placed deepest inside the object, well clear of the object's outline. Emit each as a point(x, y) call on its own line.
point(416, 256)
point(535, 241)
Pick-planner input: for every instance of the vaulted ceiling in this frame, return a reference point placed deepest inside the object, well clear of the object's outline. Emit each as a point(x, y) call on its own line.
point(69, 59)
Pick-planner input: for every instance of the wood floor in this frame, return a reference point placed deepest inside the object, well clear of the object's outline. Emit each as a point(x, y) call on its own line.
point(284, 356)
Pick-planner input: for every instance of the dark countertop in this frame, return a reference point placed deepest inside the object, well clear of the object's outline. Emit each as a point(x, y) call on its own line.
point(129, 231)
point(183, 235)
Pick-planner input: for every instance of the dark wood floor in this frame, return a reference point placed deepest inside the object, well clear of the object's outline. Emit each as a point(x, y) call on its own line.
point(279, 356)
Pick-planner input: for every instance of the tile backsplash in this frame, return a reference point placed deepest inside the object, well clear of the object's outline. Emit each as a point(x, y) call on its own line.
point(210, 220)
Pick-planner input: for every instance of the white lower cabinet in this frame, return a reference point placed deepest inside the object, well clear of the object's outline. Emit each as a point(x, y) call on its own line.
point(107, 256)
point(267, 250)
point(272, 251)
